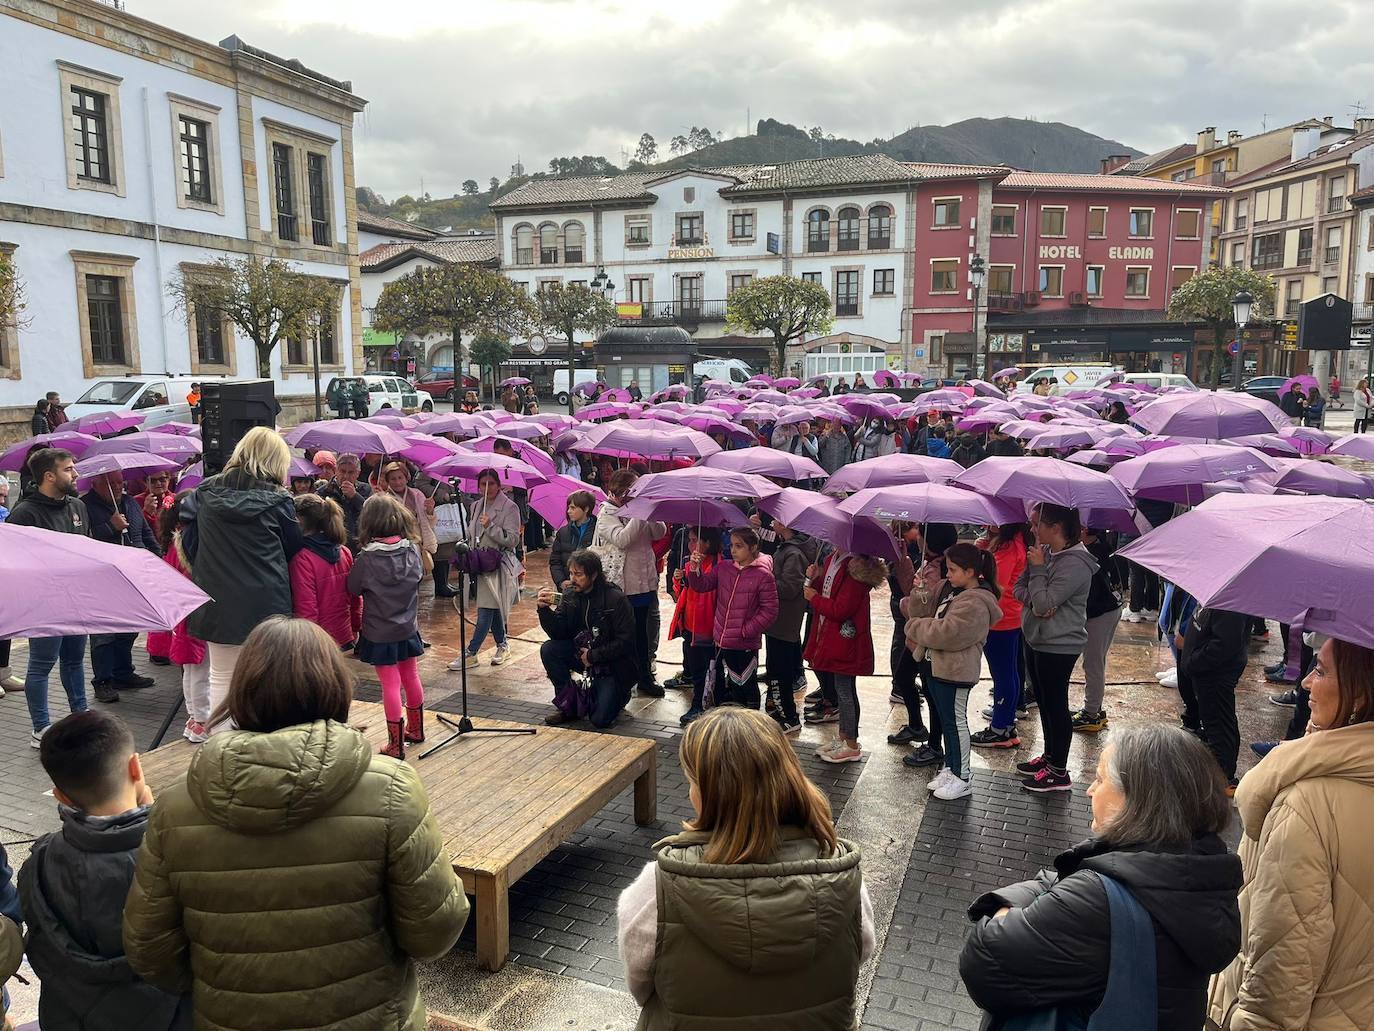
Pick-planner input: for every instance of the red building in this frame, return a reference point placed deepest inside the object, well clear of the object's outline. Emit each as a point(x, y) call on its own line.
point(1078, 268)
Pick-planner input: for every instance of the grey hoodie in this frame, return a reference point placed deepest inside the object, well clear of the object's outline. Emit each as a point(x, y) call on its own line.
point(1055, 598)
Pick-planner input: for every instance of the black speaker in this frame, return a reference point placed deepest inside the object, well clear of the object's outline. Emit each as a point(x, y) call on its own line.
point(229, 409)
point(1324, 324)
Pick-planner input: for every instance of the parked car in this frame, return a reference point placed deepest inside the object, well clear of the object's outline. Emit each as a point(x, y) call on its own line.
point(160, 399)
point(1067, 377)
point(389, 392)
point(444, 384)
point(1267, 387)
point(1160, 379)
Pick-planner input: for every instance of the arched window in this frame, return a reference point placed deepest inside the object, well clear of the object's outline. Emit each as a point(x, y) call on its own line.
point(548, 244)
point(847, 226)
point(818, 231)
point(524, 244)
point(879, 227)
point(573, 236)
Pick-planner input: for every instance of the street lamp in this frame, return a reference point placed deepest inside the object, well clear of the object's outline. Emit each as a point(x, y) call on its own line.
point(1240, 311)
point(603, 285)
point(977, 271)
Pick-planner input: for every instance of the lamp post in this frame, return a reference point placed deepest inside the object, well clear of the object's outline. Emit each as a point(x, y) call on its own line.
point(977, 271)
point(603, 285)
point(1240, 311)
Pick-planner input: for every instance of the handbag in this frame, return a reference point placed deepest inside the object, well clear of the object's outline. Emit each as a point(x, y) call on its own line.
point(612, 558)
point(1131, 1001)
point(450, 523)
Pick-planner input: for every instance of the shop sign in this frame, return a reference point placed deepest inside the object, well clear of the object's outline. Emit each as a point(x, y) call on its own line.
point(687, 253)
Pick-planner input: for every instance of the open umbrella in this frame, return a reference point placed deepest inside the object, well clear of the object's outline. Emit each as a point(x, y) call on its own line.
point(636, 440)
point(1306, 561)
point(164, 445)
point(394, 421)
point(347, 435)
point(1109, 379)
point(466, 467)
point(515, 381)
point(550, 499)
point(1305, 382)
point(89, 586)
point(1207, 416)
point(1308, 439)
point(1133, 446)
point(589, 387)
point(460, 424)
point(1269, 443)
point(606, 410)
point(787, 383)
point(668, 393)
point(931, 503)
point(890, 470)
point(1094, 459)
point(1352, 445)
point(422, 449)
point(1062, 438)
point(1309, 477)
point(1003, 373)
point(17, 454)
point(702, 482)
point(886, 378)
point(862, 405)
point(1044, 479)
point(104, 424)
point(87, 469)
point(685, 511)
point(822, 518)
point(1178, 474)
point(766, 461)
point(985, 389)
point(524, 451)
point(705, 422)
point(192, 476)
point(177, 429)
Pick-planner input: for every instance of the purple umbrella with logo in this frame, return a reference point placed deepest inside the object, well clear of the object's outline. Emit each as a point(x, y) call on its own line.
point(1309, 477)
point(1178, 474)
point(104, 424)
point(1207, 416)
point(685, 512)
point(862, 405)
point(550, 499)
point(821, 517)
point(891, 470)
point(87, 469)
point(17, 454)
point(164, 445)
point(347, 435)
point(1306, 561)
point(766, 461)
point(931, 503)
point(1044, 479)
point(89, 586)
point(1270, 444)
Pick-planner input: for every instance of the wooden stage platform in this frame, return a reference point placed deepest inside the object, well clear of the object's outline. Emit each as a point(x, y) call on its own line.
point(503, 802)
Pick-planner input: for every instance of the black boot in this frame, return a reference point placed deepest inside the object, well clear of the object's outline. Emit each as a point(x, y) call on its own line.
point(441, 587)
point(105, 691)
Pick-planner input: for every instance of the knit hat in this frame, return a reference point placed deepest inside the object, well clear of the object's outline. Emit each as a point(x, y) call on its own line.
point(324, 458)
point(940, 536)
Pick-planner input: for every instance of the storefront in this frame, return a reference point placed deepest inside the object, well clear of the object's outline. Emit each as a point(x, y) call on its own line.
point(1134, 346)
point(652, 357)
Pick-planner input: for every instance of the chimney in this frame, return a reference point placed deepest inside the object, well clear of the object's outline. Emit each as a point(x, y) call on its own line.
point(1233, 137)
point(1207, 139)
point(1363, 125)
point(1112, 162)
point(1328, 118)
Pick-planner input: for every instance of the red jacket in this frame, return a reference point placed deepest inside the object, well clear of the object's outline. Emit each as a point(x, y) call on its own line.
point(184, 649)
point(832, 649)
point(1011, 563)
point(695, 612)
point(746, 601)
point(319, 593)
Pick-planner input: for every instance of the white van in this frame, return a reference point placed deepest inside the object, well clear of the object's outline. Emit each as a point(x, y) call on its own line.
point(159, 399)
point(730, 370)
point(1067, 377)
point(1160, 379)
point(561, 386)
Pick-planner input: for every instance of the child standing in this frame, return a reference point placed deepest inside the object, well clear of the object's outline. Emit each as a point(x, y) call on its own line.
point(184, 649)
point(694, 617)
point(319, 571)
point(387, 575)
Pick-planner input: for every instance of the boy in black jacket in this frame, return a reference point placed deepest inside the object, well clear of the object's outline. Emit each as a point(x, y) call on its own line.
point(1213, 654)
point(73, 886)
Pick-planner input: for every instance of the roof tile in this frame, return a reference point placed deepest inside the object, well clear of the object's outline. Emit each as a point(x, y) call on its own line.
point(459, 250)
point(1113, 183)
point(385, 225)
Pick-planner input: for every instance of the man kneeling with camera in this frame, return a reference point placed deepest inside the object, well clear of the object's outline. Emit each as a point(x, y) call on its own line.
point(591, 630)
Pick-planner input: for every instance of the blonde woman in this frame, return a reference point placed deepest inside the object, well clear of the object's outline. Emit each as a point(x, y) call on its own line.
point(239, 534)
point(757, 914)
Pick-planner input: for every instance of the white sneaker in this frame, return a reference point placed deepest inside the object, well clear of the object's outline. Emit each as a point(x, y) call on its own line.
point(953, 788)
point(1164, 674)
point(502, 654)
point(939, 779)
point(1151, 614)
point(1170, 681)
point(36, 738)
point(457, 664)
point(828, 747)
point(1131, 616)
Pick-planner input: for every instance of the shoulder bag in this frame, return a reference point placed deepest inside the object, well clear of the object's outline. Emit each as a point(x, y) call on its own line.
point(612, 558)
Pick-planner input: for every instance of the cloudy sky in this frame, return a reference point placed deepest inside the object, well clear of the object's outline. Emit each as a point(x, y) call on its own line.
point(460, 88)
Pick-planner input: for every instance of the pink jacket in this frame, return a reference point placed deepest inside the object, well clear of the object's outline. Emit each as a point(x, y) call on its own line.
point(184, 650)
point(319, 593)
point(746, 601)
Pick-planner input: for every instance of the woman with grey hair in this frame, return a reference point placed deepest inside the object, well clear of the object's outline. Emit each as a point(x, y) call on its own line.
point(1159, 803)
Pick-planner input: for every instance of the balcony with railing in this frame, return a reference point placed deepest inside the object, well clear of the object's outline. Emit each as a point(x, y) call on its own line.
point(1006, 303)
point(1331, 256)
point(1362, 313)
point(676, 313)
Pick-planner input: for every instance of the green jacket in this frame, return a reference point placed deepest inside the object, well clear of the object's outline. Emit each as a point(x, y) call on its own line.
point(759, 946)
point(290, 882)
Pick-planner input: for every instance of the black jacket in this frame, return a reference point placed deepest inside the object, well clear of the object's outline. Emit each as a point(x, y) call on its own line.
point(604, 612)
point(138, 535)
point(1103, 590)
point(1053, 948)
point(63, 515)
point(239, 534)
point(1009, 448)
point(1291, 404)
point(39, 424)
point(565, 542)
point(1216, 645)
point(72, 889)
point(352, 508)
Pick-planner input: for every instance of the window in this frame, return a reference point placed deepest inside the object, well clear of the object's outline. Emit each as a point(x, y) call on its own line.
point(1052, 221)
point(327, 338)
point(295, 350)
point(1304, 246)
point(1238, 254)
point(1093, 284)
point(284, 191)
point(1142, 223)
point(105, 313)
point(936, 343)
point(884, 281)
point(737, 280)
point(90, 128)
point(946, 213)
point(689, 294)
point(1369, 289)
point(1302, 200)
point(1000, 278)
point(209, 338)
point(1292, 297)
point(317, 176)
point(1242, 213)
point(573, 237)
point(1267, 252)
point(195, 160)
point(577, 282)
point(522, 285)
point(1328, 284)
point(1219, 165)
point(637, 289)
point(1052, 280)
point(1335, 194)
point(818, 231)
point(811, 277)
point(1137, 282)
point(1181, 175)
point(1178, 275)
point(1004, 220)
point(1188, 224)
point(1333, 245)
point(548, 244)
point(1269, 205)
point(847, 229)
point(846, 292)
point(637, 231)
point(741, 225)
point(1097, 223)
point(524, 245)
point(879, 227)
point(689, 232)
point(9, 328)
point(944, 275)
point(107, 320)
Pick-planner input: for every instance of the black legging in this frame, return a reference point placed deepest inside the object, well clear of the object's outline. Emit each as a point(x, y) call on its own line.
point(642, 642)
point(784, 667)
point(903, 665)
point(1049, 674)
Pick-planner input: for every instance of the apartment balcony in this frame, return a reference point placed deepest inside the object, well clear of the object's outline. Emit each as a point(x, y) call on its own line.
point(676, 313)
point(1006, 304)
point(1363, 313)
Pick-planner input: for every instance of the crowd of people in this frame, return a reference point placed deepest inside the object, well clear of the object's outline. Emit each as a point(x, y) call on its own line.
point(303, 577)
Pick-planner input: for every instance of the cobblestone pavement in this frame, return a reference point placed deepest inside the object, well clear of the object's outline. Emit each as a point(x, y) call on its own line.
point(923, 860)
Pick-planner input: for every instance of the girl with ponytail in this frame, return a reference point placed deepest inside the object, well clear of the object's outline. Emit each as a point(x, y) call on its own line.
point(952, 641)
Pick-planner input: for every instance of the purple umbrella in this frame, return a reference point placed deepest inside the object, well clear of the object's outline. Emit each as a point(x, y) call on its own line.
point(1025, 429)
point(931, 503)
point(524, 450)
point(1133, 446)
point(104, 424)
point(177, 429)
point(1044, 479)
point(89, 587)
point(192, 476)
point(1178, 473)
point(701, 482)
point(589, 387)
point(821, 517)
point(1131, 523)
point(165, 445)
point(685, 511)
point(985, 389)
point(760, 381)
point(468, 466)
point(346, 435)
point(515, 381)
point(550, 499)
point(1269, 443)
point(606, 410)
point(891, 470)
point(1309, 477)
point(620, 395)
point(17, 454)
point(1305, 382)
point(633, 440)
point(1208, 416)
point(299, 467)
point(1110, 378)
point(520, 429)
point(460, 424)
point(787, 383)
point(1003, 373)
point(1063, 438)
point(1306, 561)
point(776, 397)
point(1308, 439)
point(1094, 459)
point(1352, 445)
point(422, 449)
point(806, 393)
point(766, 461)
point(123, 461)
point(859, 404)
point(676, 390)
point(704, 422)
point(1251, 486)
point(793, 415)
point(393, 421)
point(886, 378)
point(728, 405)
point(553, 422)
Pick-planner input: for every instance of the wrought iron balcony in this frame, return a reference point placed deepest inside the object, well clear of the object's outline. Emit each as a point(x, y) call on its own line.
point(1006, 303)
point(676, 313)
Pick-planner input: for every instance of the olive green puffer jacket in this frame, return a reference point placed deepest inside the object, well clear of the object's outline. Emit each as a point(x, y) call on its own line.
point(289, 883)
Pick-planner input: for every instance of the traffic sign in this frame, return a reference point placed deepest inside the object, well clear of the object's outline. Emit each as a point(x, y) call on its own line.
point(1234, 346)
point(395, 353)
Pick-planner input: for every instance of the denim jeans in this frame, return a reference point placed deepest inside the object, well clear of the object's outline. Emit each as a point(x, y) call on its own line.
point(487, 619)
point(561, 661)
point(112, 657)
point(951, 701)
point(69, 655)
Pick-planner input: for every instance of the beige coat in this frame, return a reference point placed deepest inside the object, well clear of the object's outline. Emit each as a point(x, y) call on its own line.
point(955, 640)
point(634, 538)
point(1307, 907)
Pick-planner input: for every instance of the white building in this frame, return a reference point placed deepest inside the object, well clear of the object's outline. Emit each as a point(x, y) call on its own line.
point(1362, 283)
point(130, 153)
point(676, 243)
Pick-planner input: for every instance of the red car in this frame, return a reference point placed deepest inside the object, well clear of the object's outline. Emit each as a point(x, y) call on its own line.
point(443, 384)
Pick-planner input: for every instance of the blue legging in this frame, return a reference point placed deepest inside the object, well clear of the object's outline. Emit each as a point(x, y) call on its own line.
point(488, 619)
point(952, 702)
point(1003, 652)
